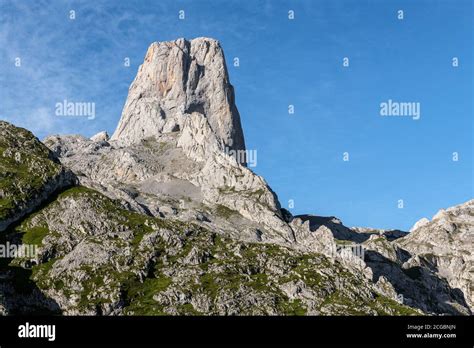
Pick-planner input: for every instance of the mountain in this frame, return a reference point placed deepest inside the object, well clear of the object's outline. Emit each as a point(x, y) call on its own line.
point(444, 245)
point(178, 79)
point(165, 217)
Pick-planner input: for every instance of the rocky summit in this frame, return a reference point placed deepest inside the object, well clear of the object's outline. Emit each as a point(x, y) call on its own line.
point(162, 219)
point(176, 80)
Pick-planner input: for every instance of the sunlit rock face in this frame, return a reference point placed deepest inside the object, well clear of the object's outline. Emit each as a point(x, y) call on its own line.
point(176, 79)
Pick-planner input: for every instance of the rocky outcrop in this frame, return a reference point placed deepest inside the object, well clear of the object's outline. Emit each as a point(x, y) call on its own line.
point(444, 245)
point(417, 286)
point(101, 136)
point(30, 173)
point(156, 177)
point(179, 78)
point(394, 268)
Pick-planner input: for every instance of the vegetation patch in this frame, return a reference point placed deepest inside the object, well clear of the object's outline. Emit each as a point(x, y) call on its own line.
point(224, 212)
point(35, 235)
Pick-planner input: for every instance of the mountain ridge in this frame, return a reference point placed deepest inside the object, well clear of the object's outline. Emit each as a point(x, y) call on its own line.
point(162, 220)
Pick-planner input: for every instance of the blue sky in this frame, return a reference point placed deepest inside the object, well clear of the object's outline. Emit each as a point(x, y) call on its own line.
point(282, 62)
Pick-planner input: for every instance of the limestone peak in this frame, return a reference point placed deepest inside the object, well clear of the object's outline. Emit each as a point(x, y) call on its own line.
point(176, 79)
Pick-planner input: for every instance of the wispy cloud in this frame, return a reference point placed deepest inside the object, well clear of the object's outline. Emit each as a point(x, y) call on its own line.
point(60, 58)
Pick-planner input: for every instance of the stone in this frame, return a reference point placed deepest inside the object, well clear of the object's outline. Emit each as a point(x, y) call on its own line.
point(176, 79)
point(419, 223)
point(101, 136)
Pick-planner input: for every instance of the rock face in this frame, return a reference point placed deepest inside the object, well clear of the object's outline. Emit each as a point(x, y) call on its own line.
point(445, 246)
point(164, 218)
point(179, 146)
point(397, 271)
point(177, 79)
